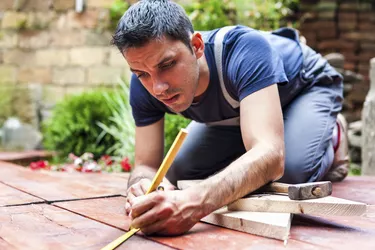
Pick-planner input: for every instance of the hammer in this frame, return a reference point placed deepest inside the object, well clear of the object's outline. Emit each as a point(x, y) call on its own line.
point(303, 191)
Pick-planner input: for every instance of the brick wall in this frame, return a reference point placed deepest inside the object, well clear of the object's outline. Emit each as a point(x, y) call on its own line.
point(45, 42)
point(347, 27)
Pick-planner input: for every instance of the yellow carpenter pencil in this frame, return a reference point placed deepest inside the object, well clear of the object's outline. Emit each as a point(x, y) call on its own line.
point(163, 169)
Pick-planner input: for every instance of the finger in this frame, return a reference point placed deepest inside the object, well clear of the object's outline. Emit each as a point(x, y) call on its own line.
point(142, 204)
point(145, 185)
point(157, 213)
point(127, 208)
point(136, 190)
point(130, 198)
point(144, 220)
point(154, 228)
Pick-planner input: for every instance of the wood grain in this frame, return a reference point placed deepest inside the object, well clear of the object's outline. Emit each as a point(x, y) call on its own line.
point(271, 225)
point(282, 204)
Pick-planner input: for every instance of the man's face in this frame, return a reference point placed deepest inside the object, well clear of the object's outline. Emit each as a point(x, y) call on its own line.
point(168, 70)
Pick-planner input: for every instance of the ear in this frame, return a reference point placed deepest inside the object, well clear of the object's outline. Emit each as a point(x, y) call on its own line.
point(197, 44)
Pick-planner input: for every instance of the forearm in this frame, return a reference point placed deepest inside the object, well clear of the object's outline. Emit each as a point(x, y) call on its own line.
point(249, 172)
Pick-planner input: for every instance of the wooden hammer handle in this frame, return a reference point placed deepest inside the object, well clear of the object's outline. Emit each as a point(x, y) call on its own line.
point(276, 187)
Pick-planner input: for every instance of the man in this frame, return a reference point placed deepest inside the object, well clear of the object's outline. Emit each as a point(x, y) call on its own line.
point(263, 105)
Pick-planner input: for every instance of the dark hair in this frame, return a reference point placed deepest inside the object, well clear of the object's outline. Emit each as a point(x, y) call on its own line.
point(152, 19)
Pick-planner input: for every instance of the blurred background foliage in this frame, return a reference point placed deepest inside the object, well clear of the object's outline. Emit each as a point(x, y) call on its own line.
point(100, 121)
point(211, 14)
point(73, 126)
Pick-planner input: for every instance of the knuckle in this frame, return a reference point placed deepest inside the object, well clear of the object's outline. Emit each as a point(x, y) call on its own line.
point(159, 197)
point(132, 188)
point(168, 208)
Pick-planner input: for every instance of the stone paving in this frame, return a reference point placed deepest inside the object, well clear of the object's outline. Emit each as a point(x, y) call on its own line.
point(57, 210)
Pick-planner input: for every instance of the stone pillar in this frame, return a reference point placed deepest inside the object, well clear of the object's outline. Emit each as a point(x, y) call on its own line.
point(368, 128)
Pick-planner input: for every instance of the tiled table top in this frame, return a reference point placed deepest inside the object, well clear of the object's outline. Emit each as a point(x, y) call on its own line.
point(51, 210)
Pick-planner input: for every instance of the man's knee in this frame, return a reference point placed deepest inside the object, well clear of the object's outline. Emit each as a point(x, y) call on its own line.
point(297, 170)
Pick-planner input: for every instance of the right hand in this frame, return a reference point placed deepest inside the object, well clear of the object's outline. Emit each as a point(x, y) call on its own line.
point(140, 188)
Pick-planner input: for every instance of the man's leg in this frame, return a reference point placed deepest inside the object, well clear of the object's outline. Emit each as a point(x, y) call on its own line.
point(309, 123)
point(205, 151)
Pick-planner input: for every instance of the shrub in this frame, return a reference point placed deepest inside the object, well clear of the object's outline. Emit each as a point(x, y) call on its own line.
point(122, 126)
point(173, 124)
point(211, 14)
point(116, 11)
point(73, 128)
point(258, 14)
point(265, 15)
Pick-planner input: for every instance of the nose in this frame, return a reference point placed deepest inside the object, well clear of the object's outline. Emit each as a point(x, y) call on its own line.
point(159, 86)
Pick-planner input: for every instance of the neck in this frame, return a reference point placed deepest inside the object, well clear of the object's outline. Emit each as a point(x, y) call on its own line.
point(204, 78)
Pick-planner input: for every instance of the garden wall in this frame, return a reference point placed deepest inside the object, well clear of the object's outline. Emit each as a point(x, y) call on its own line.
point(347, 27)
point(46, 44)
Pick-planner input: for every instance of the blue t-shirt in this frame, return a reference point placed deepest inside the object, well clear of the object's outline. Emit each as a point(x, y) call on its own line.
point(251, 60)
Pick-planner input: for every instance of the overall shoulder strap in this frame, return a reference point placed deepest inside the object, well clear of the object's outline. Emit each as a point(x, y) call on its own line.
point(218, 48)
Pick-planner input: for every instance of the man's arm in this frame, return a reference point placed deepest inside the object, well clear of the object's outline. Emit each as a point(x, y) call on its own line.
point(149, 148)
point(263, 137)
point(175, 212)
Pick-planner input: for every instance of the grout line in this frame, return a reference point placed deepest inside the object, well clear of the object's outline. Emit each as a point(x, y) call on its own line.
point(88, 198)
point(113, 226)
point(25, 204)
point(53, 201)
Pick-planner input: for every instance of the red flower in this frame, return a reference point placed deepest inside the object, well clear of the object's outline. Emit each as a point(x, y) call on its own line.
point(125, 164)
point(39, 165)
point(107, 160)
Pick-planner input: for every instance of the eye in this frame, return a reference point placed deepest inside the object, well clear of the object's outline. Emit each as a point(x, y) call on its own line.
point(168, 65)
point(141, 75)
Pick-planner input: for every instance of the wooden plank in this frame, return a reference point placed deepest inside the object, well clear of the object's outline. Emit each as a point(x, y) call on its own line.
point(48, 227)
point(272, 225)
point(10, 196)
point(53, 186)
point(202, 236)
point(282, 204)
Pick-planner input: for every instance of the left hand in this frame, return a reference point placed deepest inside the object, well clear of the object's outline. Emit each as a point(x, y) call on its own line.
point(165, 212)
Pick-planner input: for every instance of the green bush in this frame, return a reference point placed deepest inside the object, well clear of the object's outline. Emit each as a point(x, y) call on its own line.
point(116, 11)
point(73, 128)
point(211, 14)
point(258, 14)
point(265, 15)
point(173, 124)
point(122, 126)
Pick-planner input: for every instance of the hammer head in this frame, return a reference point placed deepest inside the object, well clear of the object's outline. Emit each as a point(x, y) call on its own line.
point(310, 190)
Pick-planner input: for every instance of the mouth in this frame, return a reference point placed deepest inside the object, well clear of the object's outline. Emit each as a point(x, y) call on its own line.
point(171, 100)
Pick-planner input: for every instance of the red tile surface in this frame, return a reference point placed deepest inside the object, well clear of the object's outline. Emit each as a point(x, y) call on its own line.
point(24, 158)
point(48, 227)
point(356, 188)
point(11, 196)
point(53, 186)
point(202, 236)
point(333, 231)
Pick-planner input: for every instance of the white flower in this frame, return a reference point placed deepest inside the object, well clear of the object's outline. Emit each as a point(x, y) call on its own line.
point(78, 161)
